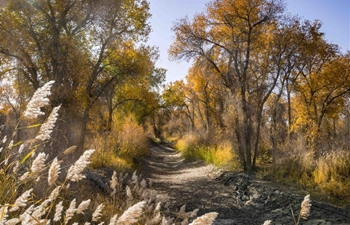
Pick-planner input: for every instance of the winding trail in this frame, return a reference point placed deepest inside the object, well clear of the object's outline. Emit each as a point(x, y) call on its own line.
point(239, 199)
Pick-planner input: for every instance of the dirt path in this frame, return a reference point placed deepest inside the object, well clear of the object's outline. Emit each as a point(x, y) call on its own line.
point(238, 198)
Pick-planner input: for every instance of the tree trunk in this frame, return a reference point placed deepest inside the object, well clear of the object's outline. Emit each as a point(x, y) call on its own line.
point(256, 147)
point(241, 153)
point(247, 128)
point(83, 129)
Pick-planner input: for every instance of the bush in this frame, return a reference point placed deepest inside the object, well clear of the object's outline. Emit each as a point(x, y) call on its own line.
point(123, 147)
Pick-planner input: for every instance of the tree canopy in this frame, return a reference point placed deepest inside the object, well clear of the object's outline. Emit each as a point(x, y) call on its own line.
point(86, 47)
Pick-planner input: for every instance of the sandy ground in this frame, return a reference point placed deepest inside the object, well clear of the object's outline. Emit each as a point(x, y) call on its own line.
point(238, 198)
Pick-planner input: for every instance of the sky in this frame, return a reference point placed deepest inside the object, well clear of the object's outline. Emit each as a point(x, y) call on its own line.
point(334, 15)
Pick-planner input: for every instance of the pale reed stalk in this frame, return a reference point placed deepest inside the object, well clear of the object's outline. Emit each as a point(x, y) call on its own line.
point(143, 183)
point(26, 216)
point(21, 148)
point(305, 207)
point(70, 150)
point(83, 206)
point(165, 221)
point(12, 221)
point(38, 101)
point(182, 212)
point(132, 214)
point(24, 176)
point(40, 210)
point(10, 145)
point(304, 210)
point(267, 222)
point(54, 171)
point(21, 201)
point(38, 163)
point(128, 192)
point(4, 139)
point(194, 213)
point(58, 212)
point(114, 182)
point(156, 215)
point(156, 219)
point(54, 194)
point(98, 213)
point(206, 219)
point(70, 211)
point(113, 220)
point(74, 172)
point(134, 178)
point(185, 222)
point(47, 127)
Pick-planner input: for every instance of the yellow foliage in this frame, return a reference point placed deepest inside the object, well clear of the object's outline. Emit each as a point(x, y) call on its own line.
point(132, 141)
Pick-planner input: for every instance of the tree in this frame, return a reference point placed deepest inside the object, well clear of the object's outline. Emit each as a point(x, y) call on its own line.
point(320, 93)
point(177, 100)
point(207, 96)
point(68, 41)
point(230, 36)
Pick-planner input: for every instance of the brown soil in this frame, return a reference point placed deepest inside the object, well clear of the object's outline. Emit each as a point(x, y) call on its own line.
point(238, 198)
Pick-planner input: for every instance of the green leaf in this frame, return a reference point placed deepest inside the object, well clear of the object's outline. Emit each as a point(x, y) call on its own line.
point(17, 144)
point(30, 126)
point(27, 156)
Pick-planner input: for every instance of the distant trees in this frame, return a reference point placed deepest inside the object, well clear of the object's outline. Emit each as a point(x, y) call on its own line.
point(87, 47)
point(257, 53)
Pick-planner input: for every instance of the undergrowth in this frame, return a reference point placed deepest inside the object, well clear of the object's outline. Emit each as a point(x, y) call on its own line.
point(219, 154)
point(327, 175)
point(41, 189)
point(123, 147)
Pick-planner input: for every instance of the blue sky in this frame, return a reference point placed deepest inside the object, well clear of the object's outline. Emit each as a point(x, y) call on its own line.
point(334, 14)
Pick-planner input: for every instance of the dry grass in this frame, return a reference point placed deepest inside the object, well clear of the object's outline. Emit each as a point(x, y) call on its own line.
point(123, 147)
point(326, 175)
point(332, 173)
point(220, 154)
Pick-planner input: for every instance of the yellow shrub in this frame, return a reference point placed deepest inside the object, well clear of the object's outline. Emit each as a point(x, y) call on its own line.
point(123, 146)
point(194, 146)
point(132, 141)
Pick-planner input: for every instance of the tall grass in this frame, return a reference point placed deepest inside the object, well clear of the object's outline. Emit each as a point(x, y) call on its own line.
point(328, 174)
point(332, 174)
point(220, 154)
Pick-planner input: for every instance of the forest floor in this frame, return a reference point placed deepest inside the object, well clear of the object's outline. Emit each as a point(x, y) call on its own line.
point(237, 197)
